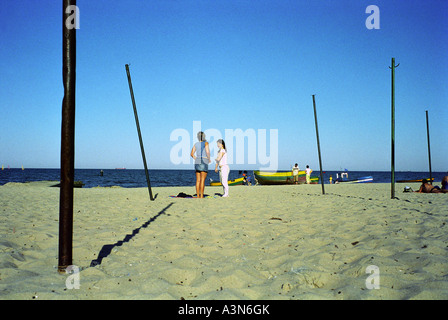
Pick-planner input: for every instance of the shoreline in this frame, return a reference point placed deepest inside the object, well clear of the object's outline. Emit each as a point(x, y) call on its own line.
point(264, 243)
point(50, 183)
point(161, 178)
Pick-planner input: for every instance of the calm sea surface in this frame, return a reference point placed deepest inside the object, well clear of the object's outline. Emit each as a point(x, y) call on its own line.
point(130, 178)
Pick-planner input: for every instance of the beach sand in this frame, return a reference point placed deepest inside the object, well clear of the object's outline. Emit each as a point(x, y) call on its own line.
point(263, 242)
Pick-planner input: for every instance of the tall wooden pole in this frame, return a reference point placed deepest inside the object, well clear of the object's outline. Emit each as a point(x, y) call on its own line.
point(392, 191)
point(67, 141)
point(139, 133)
point(429, 148)
point(318, 145)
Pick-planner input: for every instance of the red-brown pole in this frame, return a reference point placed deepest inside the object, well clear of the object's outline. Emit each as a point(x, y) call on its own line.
point(67, 139)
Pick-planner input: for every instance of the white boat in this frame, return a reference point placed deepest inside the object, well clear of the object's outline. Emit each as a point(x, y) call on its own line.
point(343, 178)
point(366, 179)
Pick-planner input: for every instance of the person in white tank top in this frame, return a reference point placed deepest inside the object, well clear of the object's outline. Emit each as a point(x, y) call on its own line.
point(221, 162)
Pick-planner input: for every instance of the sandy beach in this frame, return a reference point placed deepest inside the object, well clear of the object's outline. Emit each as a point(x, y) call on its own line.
point(263, 242)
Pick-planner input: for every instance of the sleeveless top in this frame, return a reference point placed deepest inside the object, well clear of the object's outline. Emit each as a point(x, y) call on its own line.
point(223, 161)
point(200, 151)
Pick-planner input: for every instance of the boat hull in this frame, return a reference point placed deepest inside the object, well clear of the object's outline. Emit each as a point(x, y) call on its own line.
point(367, 179)
point(275, 178)
point(415, 180)
point(234, 182)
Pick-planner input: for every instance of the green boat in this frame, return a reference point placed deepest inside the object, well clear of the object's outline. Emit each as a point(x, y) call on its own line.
point(235, 182)
point(286, 177)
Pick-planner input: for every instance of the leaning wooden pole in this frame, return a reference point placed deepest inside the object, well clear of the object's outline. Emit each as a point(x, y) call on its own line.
point(429, 147)
point(139, 133)
point(392, 188)
point(318, 145)
point(67, 141)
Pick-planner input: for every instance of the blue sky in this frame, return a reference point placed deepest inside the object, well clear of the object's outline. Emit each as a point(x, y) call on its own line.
point(229, 64)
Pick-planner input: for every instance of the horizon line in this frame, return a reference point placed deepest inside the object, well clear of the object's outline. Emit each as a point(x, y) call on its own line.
point(238, 169)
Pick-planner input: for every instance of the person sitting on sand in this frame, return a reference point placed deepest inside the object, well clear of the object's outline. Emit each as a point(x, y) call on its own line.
point(445, 184)
point(246, 179)
point(428, 188)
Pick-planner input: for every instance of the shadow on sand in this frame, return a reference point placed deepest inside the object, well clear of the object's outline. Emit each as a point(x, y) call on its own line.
point(107, 249)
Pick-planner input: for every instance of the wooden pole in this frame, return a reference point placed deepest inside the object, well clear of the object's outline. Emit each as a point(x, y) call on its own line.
point(318, 145)
point(429, 148)
point(139, 133)
point(392, 191)
point(67, 142)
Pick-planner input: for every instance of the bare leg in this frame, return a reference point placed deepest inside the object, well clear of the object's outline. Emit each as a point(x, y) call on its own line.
point(202, 184)
point(198, 183)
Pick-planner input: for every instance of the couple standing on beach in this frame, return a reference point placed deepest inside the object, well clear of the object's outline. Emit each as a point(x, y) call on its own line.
point(201, 155)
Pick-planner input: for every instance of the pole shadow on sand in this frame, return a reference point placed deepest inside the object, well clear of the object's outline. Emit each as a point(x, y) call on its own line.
point(107, 249)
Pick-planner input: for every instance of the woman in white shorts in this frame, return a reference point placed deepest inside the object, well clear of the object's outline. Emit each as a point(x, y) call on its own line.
point(221, 162)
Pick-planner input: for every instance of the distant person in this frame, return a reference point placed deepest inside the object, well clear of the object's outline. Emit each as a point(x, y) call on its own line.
point(331, 179)
point(246, 180)
point(295, 173)
point(201, 155)
point(445, 184)
point(308, 174)
point(428, 188)
point(221, 162)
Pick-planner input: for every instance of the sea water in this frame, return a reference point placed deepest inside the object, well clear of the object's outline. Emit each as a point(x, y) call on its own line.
point(135, 178)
